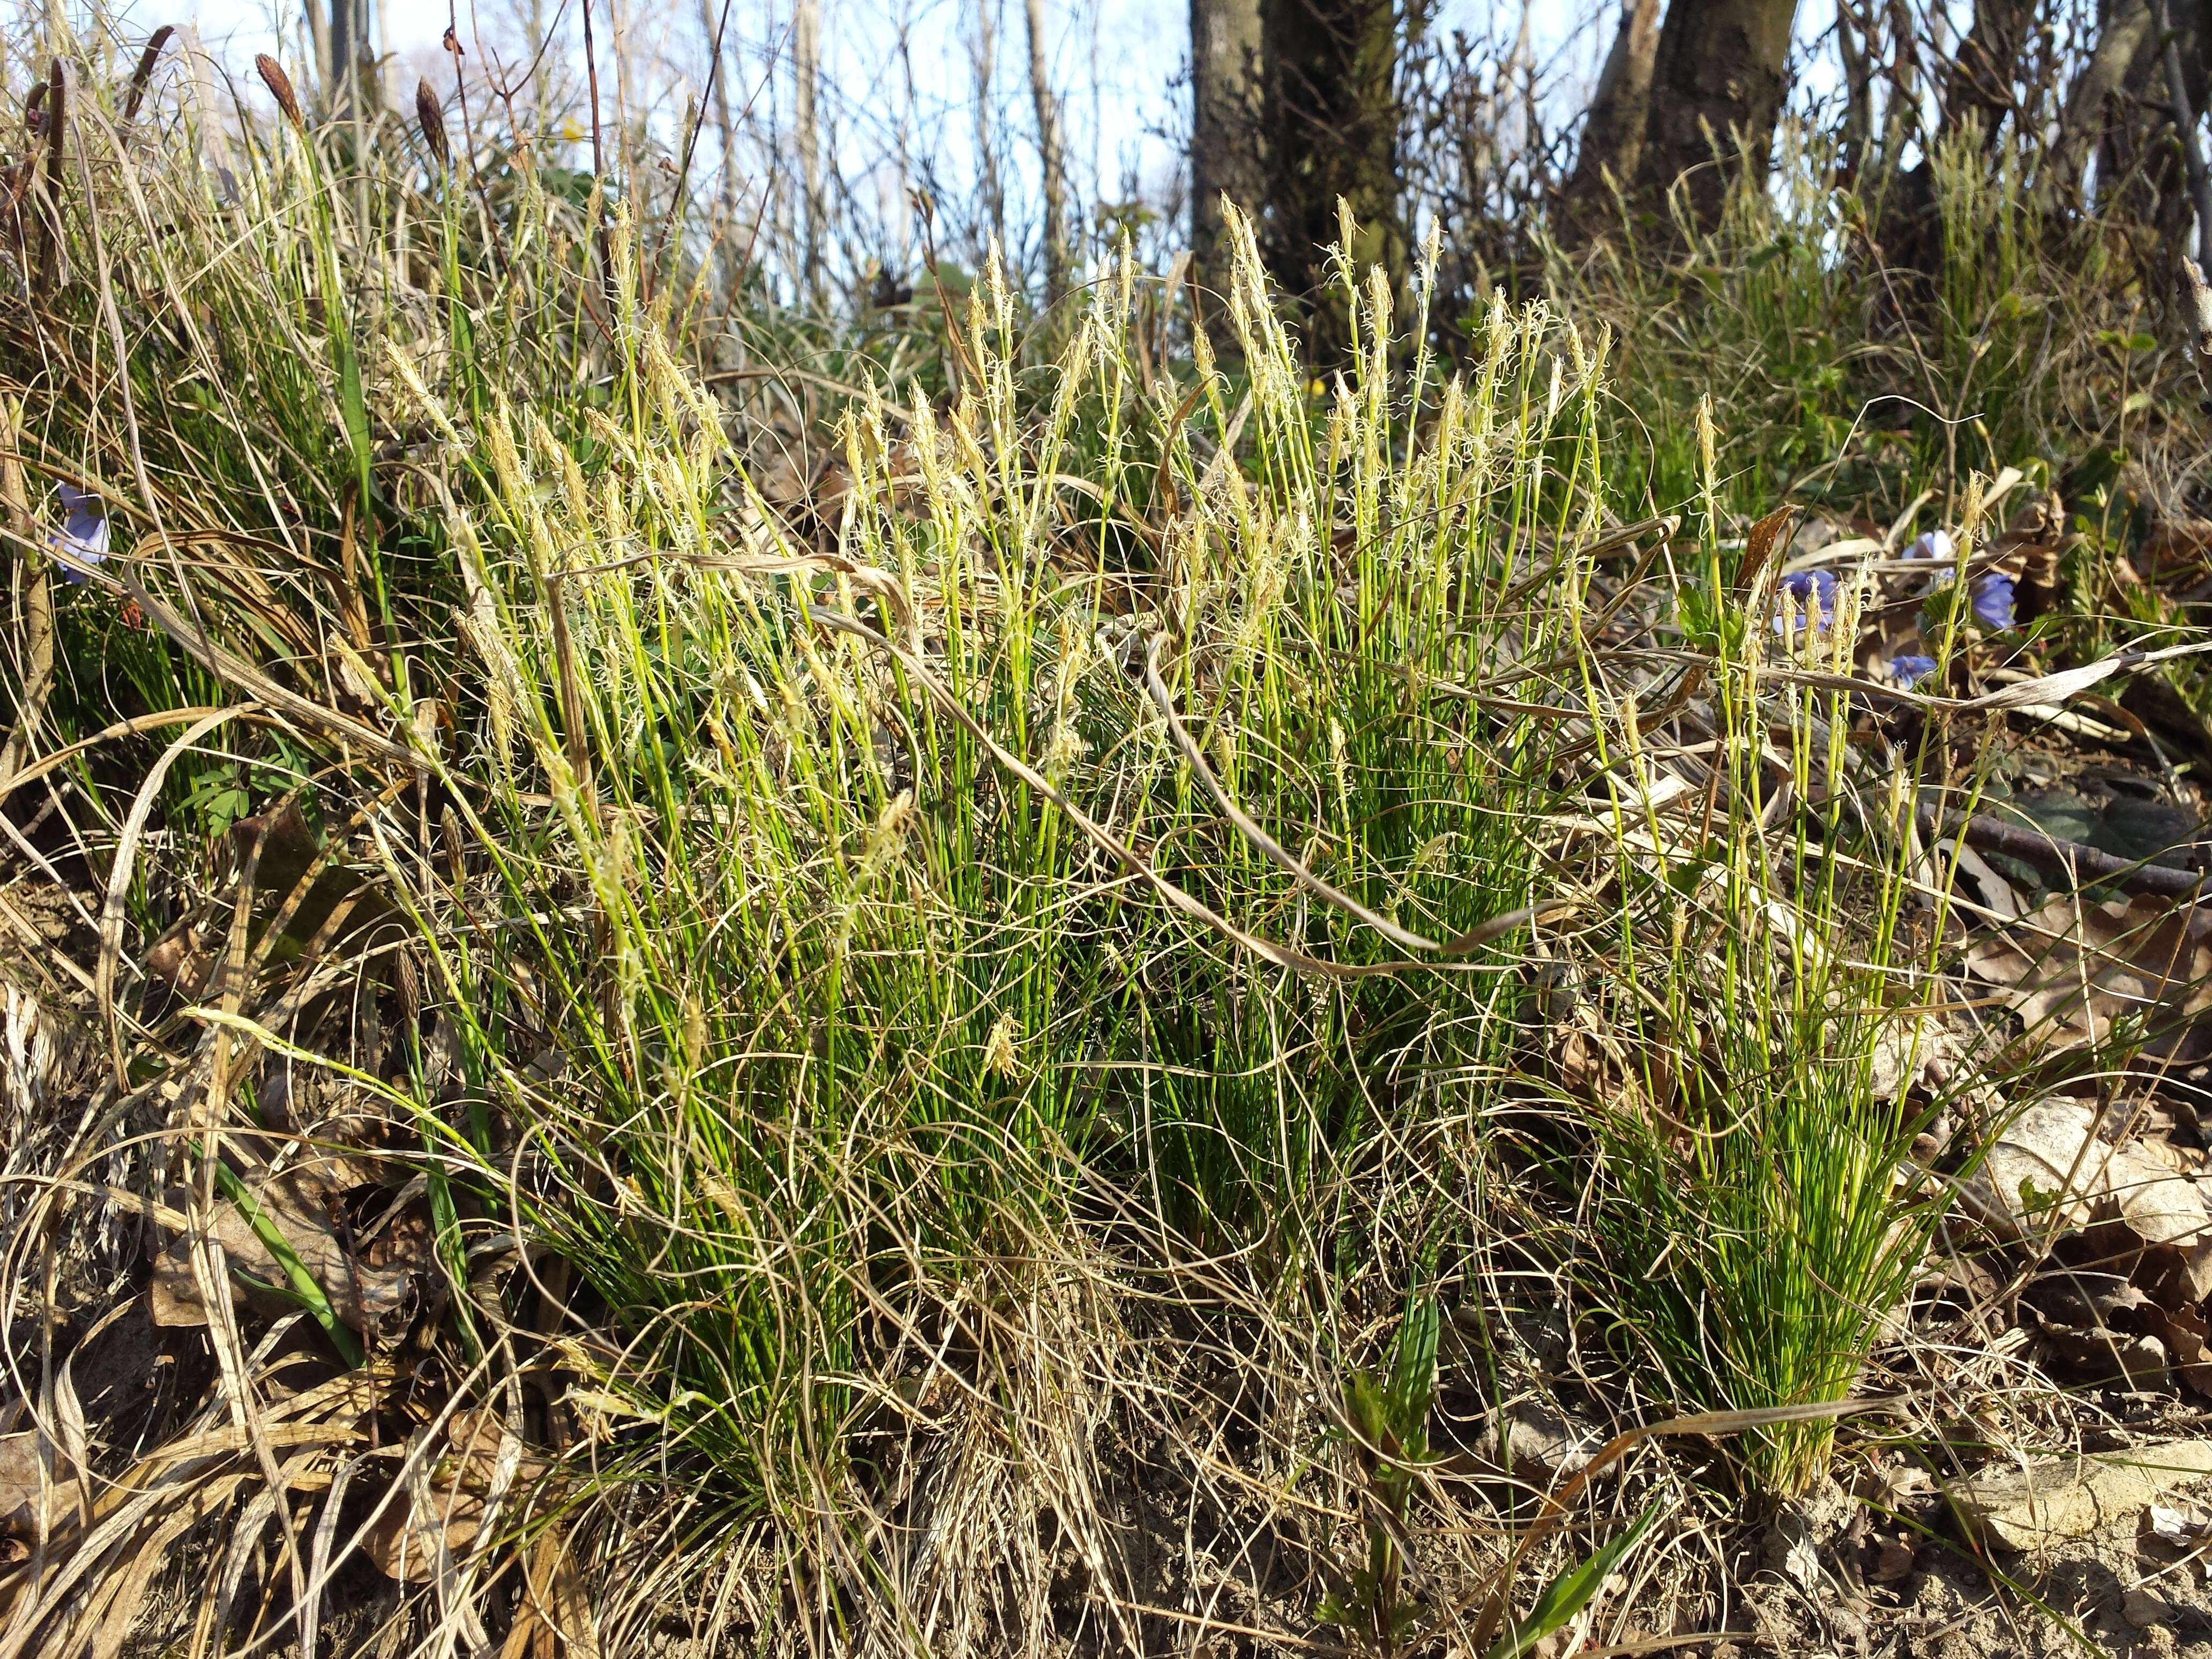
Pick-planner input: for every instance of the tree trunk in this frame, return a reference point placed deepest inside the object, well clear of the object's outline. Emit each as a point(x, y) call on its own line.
point(341, 75)
point(2141, 180)
point(1051, 157)
point(1333, 115)
point(1854, 34)
point(2124, 34)
point(1718, 79)
point(2183, 107)
point(1979, 90)
point(985, 54)
point(806, 59)
point(1612, 137)
point(1979, 86)
point(1902, 122)
point(1228, 156)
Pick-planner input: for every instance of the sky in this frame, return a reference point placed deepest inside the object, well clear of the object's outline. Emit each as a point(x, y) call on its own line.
point(900, 106)
point(1116, 61)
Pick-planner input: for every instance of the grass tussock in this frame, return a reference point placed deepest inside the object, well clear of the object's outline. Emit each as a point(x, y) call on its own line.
point(807, 944)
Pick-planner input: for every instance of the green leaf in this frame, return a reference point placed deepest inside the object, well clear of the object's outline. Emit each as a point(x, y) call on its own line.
point(1369, 1408)
point(1569, 1593)
point(304, 1286)
point(1413, 1370)
point(354, 404)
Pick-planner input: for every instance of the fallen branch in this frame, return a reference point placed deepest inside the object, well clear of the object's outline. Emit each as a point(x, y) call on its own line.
point(2078, 863)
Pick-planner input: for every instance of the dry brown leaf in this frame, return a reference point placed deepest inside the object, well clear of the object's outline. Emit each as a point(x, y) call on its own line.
point(2181, 1160)
point(1906, 1050)
point(2046, 1172)
point(178, 957)
point(2188, 1346)
point(2049, 1174)
point(2168, 1213)
point(2037, 583)
point(2105, 1355)
point(404, 1543)
point(303, 1210)
point(2075, 971)
point(407, 1242)
point(2158, 1205)
point(19, 1459)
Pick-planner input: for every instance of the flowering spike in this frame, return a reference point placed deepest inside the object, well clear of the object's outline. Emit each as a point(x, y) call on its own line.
point(432, 115)
point(280, 88)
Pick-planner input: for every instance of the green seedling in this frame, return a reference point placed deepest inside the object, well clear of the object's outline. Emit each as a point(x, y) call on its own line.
point(304, 1289)
point(1570, 1592)
point(1386, 1423)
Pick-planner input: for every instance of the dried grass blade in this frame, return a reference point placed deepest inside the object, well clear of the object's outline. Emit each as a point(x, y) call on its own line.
point(1495, 927)
point(118, 879)
point(1704, 1423)
point(1282, 956)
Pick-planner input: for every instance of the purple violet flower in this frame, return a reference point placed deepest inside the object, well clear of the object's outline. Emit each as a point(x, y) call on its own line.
point(83, 534)
point(1909, 671)
point(1810, 598)
point(1993, 602)
point(1936, 545)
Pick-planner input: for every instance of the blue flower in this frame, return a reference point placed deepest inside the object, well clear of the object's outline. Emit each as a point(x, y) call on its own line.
point(1992, 597)
point(1936, 545)
point(1909, 671)
point(83, 535)
point(1809, 596)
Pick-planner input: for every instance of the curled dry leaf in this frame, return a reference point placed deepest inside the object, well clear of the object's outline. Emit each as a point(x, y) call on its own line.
point(181, 958)
point(1907, 1051)
point(2076, 970)
point(2045, 1171)
point(2176, 1522)
point(1543, 1444)
point(2049, 1172)
point(361, 1286)
point(2188, 1346)
point(21, 1456)
point(2159, 1205)
point(2106, 1356)
point(450, 1508)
